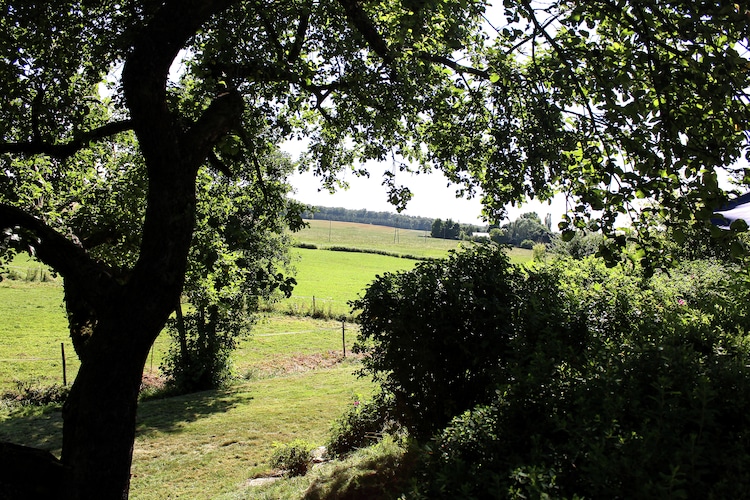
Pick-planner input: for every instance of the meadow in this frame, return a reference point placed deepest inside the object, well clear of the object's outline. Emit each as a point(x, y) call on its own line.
point(327, 280)
point(292, 380)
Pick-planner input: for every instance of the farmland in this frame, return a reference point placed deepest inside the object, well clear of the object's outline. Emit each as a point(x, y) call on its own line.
point(291, 378)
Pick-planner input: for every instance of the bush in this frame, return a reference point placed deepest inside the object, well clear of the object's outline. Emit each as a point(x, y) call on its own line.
point(657, 403)
point(294, 457)
point(361, 425)
point(539, 252)
point(527, 244)
point(31, 393)
point(438, 338)
point(199, 358)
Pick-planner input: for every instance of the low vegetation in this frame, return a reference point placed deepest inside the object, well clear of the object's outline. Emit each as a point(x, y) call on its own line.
point(559, 379)
point(569, 380)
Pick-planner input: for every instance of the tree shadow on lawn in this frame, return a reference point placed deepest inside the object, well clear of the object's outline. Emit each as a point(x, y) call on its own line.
point(34, 427)
point(42, 427)
point(168, 414)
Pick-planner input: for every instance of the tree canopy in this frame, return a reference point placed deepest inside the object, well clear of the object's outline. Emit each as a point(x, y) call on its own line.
point(604, 101)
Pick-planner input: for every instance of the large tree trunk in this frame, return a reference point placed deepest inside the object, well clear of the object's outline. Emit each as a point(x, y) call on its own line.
point(114, 320)
point(99, 424)
point(99, 416)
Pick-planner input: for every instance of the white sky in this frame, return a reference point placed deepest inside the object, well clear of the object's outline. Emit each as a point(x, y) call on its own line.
point(432, 197)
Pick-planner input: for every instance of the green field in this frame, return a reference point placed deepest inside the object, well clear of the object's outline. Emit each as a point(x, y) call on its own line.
point(292, 380)
point(327, 280)
point(325, 234)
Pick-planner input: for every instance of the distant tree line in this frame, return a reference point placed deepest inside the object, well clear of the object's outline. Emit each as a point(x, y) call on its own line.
point(368, 217)
point(450, 230)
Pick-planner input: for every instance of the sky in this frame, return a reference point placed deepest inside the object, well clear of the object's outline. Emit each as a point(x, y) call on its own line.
point(432, 196)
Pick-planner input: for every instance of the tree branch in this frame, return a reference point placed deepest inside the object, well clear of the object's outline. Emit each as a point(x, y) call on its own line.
point(220, 117)
point(299, 39)
point(66, 150)
point(365, 27)
point(458, 68)
point(49, 246)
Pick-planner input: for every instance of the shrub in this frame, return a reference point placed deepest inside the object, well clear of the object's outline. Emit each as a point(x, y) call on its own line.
point(527, 244)
point(656, 404)
point(294, 457)
point(539, 252)
point(199, 359)
point(439, 337)
point(360, 425)
point(32, 393)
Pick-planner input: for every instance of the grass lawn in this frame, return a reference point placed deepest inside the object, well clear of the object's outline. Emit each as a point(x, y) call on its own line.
point(292, 381)
point(211, 443)
point(334, 278)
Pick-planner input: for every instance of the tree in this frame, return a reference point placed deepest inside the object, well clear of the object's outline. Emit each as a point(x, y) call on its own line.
point(606, 103)
point(527, 228)
point(437, 228)
point(239, 248)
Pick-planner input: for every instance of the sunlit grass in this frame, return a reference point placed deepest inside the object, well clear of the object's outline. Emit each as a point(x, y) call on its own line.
point(368, 236)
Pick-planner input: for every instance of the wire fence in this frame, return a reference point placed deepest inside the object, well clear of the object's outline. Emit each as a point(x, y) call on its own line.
point(313, 306)
point(57, 362)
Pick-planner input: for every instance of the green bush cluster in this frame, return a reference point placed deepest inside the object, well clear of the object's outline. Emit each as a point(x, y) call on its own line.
point(295, 458)
point(33, 393)
point(362, 424)
point(567, 380)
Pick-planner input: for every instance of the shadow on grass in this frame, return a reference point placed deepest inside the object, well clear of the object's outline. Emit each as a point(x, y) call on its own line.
point(41, 427)
point(34, 426)
point(168, 415)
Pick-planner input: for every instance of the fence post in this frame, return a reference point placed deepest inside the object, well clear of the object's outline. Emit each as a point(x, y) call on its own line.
point(65, 376)
point(343, 335)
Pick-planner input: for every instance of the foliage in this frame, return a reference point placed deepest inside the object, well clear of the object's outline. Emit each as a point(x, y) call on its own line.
point(539, 252)
point(32, 393)
point(437, 338)
point(363, 423)
point(294, 457)
point(523, 232)
point(652, 405)
point(448, 230)
point(605, 104)
point(239, 250)
point(582, 244)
